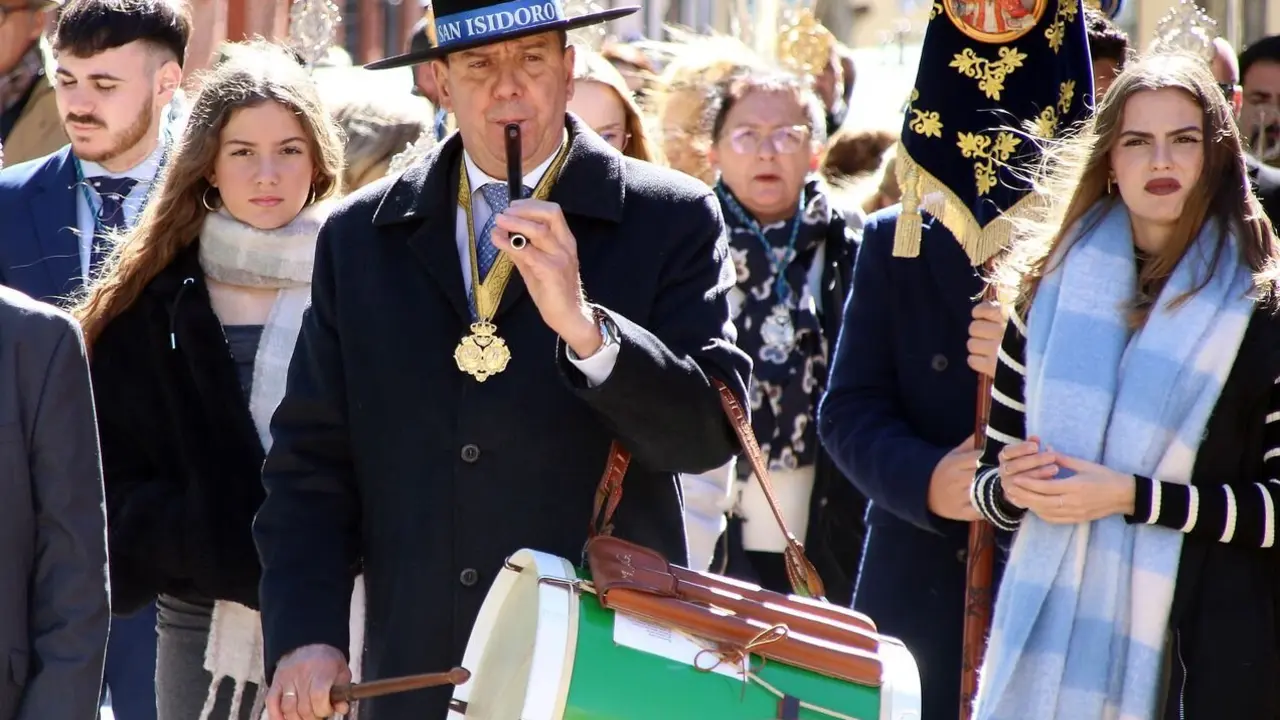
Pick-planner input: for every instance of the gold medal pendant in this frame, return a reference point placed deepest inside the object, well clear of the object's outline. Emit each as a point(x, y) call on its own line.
point(482, 353)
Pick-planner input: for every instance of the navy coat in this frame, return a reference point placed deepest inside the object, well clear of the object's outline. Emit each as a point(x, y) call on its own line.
point(39, 240)
point(900, 396)
point(386, 456)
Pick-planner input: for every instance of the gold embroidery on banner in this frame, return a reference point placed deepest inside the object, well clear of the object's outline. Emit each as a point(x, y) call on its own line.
point(1056, 33)
point(1046, 126)
point(935, 11)
point(928, 194)
point(989, 154)
point(927, 123)
point(990, 75)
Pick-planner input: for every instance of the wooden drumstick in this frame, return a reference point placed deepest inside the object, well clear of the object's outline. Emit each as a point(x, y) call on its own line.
point(350, 692)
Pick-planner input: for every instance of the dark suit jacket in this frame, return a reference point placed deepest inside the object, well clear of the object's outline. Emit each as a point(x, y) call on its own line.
point(53, 570)
point(385, 454)
point(900, 396)
point(1266, 185)
point(39, 237)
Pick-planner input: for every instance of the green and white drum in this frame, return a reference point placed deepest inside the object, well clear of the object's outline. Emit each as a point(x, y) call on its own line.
point(544, 649)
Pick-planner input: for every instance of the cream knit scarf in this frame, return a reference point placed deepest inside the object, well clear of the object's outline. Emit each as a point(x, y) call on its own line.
point(234, 253)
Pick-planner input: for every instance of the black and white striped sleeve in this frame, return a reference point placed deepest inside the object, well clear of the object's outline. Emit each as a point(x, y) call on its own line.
point(1006, 425)
point(1239, 513)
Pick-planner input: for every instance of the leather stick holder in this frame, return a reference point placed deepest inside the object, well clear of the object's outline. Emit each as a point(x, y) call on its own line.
point(800, 630)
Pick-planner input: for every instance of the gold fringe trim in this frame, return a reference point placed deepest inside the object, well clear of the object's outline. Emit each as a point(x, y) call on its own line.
point(922, 192)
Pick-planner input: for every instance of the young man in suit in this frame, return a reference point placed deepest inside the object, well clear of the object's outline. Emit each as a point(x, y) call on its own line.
point(1260, 78)
point(392, 448)
point(54, 609)
point(118, 64)
point(1226, 70)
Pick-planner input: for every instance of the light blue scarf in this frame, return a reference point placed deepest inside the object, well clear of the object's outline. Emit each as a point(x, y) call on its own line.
point(1082, 611)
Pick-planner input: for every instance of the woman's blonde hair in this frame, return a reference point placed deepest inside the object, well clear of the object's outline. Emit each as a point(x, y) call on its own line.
point(590, 66)
point(1076, 174)
point(253, 73)
point(683, 99)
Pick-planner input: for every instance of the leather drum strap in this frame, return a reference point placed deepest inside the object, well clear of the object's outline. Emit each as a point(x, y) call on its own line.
point(802, 574)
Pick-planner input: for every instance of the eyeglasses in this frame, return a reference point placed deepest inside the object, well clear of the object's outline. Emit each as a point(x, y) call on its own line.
point(783, 140)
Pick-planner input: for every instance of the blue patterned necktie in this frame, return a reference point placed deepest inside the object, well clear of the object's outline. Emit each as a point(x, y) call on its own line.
point(111, 192)
point(486, 252)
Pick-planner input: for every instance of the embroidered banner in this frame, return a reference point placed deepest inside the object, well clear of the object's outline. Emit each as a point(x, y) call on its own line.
point(993, 74)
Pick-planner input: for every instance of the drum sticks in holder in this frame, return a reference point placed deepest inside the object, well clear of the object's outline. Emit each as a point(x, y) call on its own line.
point(515, 177)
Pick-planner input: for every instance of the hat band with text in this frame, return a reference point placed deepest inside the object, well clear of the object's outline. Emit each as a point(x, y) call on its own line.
point(494, 21)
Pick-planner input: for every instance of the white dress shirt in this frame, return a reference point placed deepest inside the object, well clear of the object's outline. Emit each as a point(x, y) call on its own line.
point(596, 368)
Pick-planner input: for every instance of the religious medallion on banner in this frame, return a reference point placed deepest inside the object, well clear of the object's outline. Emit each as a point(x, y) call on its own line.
point(995, 21)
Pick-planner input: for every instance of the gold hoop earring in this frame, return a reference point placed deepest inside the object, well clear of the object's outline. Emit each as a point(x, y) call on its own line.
point(204, 199)
point(311, 196)
point(1109, 184)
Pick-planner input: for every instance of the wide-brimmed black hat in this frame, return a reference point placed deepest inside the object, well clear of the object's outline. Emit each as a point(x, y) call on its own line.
point(455, 25)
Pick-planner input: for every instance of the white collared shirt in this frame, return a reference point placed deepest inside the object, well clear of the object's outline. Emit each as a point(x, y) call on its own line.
point(596, 368)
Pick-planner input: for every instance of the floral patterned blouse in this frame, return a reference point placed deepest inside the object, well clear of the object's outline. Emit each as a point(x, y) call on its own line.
point(788, 377)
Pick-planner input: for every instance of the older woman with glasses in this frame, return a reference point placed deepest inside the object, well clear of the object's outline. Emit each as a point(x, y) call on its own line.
point(794, 253)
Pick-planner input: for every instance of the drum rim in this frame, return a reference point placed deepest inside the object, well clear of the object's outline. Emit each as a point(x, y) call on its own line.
point(555, 640)
point(900, 681)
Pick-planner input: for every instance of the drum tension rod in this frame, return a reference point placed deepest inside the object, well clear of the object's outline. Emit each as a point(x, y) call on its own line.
point(574, 586)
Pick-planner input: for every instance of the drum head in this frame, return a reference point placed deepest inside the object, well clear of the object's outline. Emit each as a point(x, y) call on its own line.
point(520, 652)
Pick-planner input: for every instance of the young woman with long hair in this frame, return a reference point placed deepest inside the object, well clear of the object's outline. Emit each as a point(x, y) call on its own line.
point(1133, 442)
point(191, 327)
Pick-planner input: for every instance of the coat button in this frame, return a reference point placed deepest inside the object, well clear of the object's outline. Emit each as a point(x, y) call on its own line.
point(939, 363)
point(469, 577)
point(470, 453)
point(962, 556)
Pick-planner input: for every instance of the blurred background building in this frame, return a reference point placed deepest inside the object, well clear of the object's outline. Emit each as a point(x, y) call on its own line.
point(885, 33)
